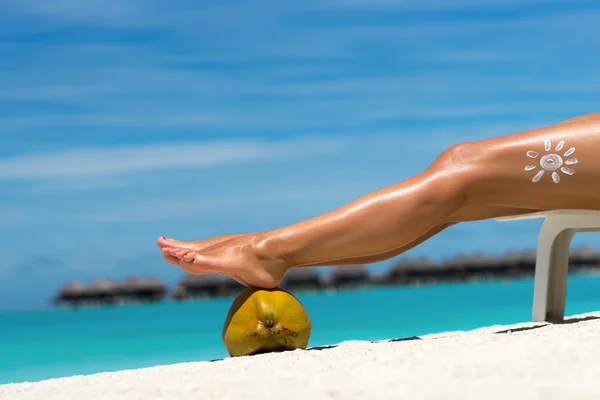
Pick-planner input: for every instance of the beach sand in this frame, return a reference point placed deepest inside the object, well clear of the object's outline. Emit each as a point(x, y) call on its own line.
point(524, 361)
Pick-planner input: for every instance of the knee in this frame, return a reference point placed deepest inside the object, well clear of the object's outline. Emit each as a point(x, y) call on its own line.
point(458, 157)
point(457, 169)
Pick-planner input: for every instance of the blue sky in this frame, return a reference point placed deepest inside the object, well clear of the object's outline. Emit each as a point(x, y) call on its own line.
point(123, 120)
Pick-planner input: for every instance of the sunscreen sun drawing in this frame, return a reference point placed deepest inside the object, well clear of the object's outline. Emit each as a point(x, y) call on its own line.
point(552, 162)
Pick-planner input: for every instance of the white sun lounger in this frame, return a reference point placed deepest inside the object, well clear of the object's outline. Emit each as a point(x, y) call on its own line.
point(552, 260)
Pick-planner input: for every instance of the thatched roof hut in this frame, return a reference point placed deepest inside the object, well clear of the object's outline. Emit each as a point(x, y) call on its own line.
point(397, 273)
point(142, 289)
point(458, 265)
point(72, 289)
point(518, 263)
point(201, 281)
point(481, 265)
point(230, 287)
point(584, 255)
point(511, 256)
point(210, 285)
point(102, 290)
point(304, 278)
point(71, 293)
point(527, 261)
point(103, 285)
point(450, 269)
point(349, 276)
point(192, 286)
point(481, 260)
point(461, 267)
point(180, 293)
point(409, 270)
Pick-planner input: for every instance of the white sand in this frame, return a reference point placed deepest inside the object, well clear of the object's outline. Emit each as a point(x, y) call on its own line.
point(548, 362)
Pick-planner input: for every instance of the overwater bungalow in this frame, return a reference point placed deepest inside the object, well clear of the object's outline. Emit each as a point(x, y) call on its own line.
point(397, 274)
point(483, 266)
point(351, 276)
point(584, 257)
point(72, 294)
point(422, 270)
point(441, 271)
point(206, 286)
point(402, 272)
point(459, 268)
point(448, 270)
point(231, 287)
point(180, 293)
point(142, 289)
point(456, 268)
point(102, 291)
point(511, 257)
point(527, 262)
point(302, 279)
point(511, 261)
point(198, 286)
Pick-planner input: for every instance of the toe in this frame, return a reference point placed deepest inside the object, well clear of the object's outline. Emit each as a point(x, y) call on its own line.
point(167, 256)
point(202, 264)
point(189, 257)
point(191, 267)
point(172, 251)
point(179, 253)
point(164, 242)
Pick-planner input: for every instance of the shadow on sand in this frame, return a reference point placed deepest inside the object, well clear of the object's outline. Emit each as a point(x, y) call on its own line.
point(320, 348)
point(563, 322)
point(513, 330)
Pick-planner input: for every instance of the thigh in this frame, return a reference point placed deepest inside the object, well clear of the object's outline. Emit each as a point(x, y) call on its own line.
point(552, 167)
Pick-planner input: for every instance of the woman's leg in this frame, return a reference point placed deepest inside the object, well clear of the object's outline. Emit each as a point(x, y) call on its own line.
point(533, 169)
point(466, 214)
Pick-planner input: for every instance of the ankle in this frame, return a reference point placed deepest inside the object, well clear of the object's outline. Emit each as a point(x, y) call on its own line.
point(271, 248)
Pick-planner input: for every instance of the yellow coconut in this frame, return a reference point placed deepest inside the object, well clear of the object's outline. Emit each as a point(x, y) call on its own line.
point(265, 320)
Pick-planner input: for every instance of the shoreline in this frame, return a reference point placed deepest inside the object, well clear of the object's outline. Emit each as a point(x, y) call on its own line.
point(525, 360)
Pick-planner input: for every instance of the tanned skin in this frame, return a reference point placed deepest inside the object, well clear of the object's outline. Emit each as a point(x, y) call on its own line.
point(468, 182)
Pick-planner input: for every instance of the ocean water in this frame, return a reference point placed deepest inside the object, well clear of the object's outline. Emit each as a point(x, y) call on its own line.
point(38, 345)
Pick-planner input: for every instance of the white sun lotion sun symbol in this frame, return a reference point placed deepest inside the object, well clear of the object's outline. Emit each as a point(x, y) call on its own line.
point(552, 162)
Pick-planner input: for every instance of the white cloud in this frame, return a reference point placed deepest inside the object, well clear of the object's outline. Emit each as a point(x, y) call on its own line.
point(129, 84)
point(91, 162)
point(218, 102)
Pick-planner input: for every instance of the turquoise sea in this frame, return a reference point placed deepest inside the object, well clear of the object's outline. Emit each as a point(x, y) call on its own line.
point(37, 345)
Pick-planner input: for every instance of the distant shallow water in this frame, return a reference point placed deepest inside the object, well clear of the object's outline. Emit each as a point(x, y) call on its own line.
point(37, 345)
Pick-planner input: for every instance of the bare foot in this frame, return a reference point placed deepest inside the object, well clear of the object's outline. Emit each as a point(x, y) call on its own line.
point(249, 258)
point(196, 245)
